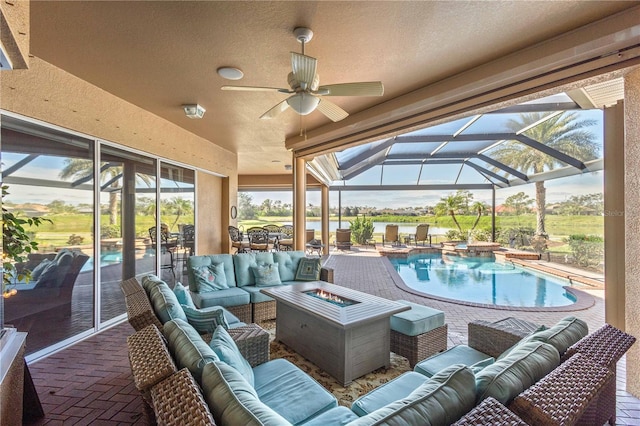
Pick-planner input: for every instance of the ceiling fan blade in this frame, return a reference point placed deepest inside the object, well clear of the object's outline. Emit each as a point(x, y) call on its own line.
point(273, 112)
point(331, 110)
point(256, 89)
point(365, 88)
point(304, 69)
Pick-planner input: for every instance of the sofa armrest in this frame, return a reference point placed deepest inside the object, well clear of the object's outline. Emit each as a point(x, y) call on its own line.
point(326, 274)
point(149, 358)
point(178, 398)
point(493, 338)
point(570, 394)
point(605, 346)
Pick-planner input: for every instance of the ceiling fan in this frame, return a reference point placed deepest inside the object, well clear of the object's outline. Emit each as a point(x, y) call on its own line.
point(306, 93)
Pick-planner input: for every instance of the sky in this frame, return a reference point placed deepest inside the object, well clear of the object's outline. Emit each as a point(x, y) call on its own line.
point(557, 190)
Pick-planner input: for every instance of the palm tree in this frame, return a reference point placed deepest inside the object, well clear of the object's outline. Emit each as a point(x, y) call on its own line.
point(563, 132)
point(81, 169)
point(479, 207)
point(450, 205)
point(179, 207)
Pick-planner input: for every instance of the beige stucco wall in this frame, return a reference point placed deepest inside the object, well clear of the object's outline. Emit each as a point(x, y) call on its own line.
point(209, 213)
point(14, 31)
point(632, 224)
point(50, 94)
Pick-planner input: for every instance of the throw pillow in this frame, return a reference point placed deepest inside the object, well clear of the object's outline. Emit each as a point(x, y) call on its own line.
point(150, 281)
point(49, 274)
point(210, 277)
point(205, 320)
point(266, 274)
point(227, 350)
point(308, 270)
point(183, 295)
point(39, 269)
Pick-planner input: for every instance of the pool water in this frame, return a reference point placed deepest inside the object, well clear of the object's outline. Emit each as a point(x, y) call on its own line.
point(481, 280)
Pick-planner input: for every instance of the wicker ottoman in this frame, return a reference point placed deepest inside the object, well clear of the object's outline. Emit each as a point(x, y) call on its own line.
point(253, 343)
point(418, 333)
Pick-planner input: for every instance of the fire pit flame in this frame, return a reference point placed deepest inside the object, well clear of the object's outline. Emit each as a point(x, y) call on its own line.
point(330, 297)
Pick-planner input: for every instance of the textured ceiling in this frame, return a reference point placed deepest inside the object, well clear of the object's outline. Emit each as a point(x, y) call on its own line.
point(161, 54)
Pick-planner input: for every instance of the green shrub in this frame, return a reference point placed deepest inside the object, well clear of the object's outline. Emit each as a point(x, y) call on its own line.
point(587, 250)
point(75, 240)
point(361, 229)
point(455, 235)
point(515, 237)
point(481, 235)
point(110, 231)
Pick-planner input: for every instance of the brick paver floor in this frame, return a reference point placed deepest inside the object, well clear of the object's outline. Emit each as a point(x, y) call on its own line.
point(90, 382)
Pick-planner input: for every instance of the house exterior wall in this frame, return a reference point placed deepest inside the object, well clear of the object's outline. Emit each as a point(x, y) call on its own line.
point(632, 224)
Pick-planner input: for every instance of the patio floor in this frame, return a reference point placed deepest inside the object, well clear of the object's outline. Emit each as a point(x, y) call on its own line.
point(90, 382)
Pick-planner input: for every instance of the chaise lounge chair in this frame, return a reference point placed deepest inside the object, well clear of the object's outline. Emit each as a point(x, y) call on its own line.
point(422, 234)
point(343, 239)
point(391, 235)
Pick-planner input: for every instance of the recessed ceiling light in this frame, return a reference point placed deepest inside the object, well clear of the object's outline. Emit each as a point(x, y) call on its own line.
point(230, 73)
point(276, 161)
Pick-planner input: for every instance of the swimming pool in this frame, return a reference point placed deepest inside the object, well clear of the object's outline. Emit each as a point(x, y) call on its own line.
point(481, 280)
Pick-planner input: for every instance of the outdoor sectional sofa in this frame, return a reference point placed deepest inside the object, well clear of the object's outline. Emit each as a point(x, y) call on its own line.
point(554, 376)
point(230, 280)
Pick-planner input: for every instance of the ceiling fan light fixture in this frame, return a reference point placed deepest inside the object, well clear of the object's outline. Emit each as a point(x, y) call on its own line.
point(230, 73)
point(193, 111)
point(303, 103)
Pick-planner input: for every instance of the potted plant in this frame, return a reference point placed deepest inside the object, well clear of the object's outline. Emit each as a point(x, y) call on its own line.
point(16, 245)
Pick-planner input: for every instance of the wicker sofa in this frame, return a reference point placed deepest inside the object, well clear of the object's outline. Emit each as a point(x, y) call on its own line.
point(580, 390)
point(234, 285)
point(555, 376)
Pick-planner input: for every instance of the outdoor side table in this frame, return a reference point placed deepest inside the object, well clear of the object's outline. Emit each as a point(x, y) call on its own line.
point(253, 342)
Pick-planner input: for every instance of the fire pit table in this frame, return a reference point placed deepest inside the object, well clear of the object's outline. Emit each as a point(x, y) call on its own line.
point(344, 332)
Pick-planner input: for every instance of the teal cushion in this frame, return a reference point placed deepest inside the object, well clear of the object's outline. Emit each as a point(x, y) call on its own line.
point(459, 354)
point(210, 277)
point(232, 400)
point(266, 274)
point(150, 281)
point(291, 392)
point(288, 262)
point(244, 261)
point(37, 271)
point(338, 416)
point(227, 350)
point(523, 367)
point(232, 296)
point(398, 388)
point(165, 303)
point(441, 400)
point(562, 335)
point(183, 295)
point(205, 320)
point(208, 260)
point(187, 347)
point(48, 273)
point(308, 270)
point(417, 320)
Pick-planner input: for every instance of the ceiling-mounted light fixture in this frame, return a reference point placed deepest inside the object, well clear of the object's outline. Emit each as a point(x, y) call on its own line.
point(193, 111)
point(230, 73)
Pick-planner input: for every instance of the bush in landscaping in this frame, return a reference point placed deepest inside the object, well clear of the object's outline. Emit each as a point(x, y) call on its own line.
point(361, 229)
point(515, 237)
point(587, 250)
